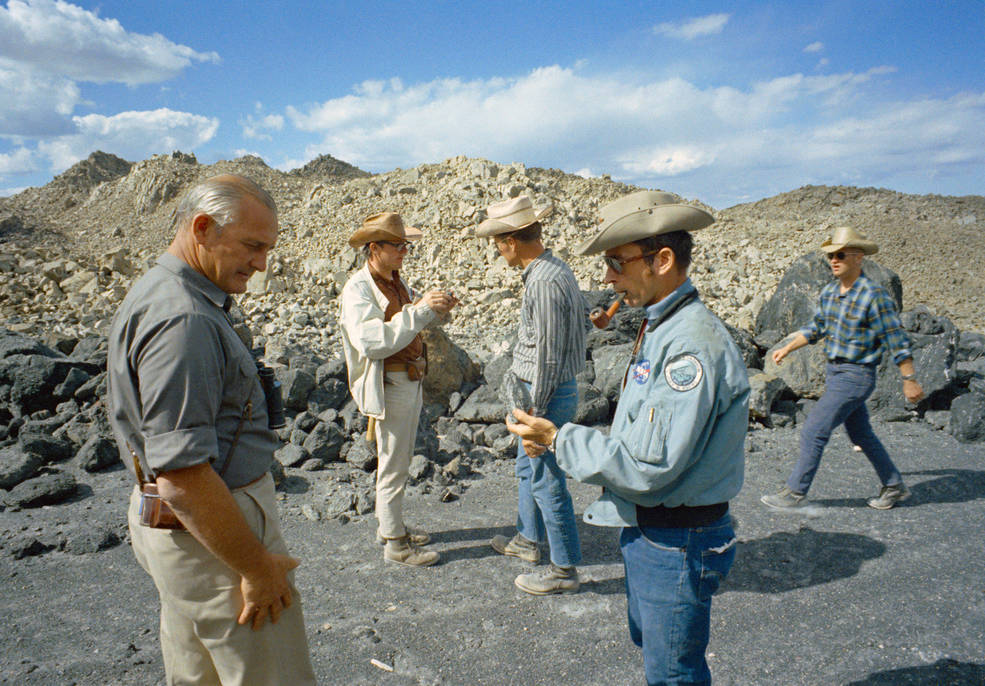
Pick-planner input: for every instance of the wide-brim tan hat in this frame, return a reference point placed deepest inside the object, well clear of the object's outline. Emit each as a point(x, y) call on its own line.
point(846, 237)
point(641, 215)
point(385, 226)
point(510, 215)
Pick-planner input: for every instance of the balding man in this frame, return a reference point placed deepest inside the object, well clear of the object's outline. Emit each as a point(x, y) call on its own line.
point(190, 418)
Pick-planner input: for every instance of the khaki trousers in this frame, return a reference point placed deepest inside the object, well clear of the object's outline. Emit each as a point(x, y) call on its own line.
point(395, 437)
point(200, 600)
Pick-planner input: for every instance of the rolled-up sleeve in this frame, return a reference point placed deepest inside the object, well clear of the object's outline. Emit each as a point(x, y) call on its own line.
point(179, 363)
point(887, 328)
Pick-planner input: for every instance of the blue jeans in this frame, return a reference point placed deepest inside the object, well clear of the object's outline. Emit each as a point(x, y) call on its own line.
point(671, 575)
point(543, 501)
point(848, 387)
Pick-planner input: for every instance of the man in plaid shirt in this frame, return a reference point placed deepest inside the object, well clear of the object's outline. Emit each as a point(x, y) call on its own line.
point(858, 318)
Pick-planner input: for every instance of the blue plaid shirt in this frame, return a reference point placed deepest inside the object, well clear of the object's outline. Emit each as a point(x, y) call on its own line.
point(858, 323)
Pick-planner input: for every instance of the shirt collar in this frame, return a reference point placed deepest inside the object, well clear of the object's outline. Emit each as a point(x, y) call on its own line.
point(656, 312)
point(196, 280)
point(533, 263)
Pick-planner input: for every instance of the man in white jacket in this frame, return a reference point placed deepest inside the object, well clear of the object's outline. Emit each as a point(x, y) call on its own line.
point(381, 323)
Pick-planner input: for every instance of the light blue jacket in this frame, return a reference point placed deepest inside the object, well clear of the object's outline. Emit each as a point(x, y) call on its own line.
point(678, 434)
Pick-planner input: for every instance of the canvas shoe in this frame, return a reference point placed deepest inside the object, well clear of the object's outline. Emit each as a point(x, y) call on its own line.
point(889, 496)
point(402, 551)
point(518, 546)
point(550, 579)
point(784, 500)
point(417, 537)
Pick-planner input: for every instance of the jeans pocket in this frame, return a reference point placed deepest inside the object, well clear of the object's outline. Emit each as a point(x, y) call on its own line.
point(661, 546)
point(715, 565)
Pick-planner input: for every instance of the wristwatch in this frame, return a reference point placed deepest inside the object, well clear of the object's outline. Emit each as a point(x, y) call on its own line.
point(909, 377)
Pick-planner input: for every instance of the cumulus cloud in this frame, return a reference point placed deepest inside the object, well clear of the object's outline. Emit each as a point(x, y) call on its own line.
point(132, 135)
point(722, 142)
point(708, 25)
point(816, 46)
point(255, 125)
point(65, 40)
point(20, 161)
point(33, 103)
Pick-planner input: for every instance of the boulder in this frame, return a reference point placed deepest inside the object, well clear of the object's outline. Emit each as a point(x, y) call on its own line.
point(296, 384)
point(482, 405)
point(763, 390)
point(291, 455)
point(449, 367)
point(593, 406)
point(968, 417)
point(362, 455)
point(17, 465)
point(325, 442)
point(98, 453)
point(46, 489)
point(33, 379)
point(610, 365)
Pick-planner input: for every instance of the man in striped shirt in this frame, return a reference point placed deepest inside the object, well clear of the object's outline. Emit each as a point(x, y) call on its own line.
point(859, 319)
point(549, 353)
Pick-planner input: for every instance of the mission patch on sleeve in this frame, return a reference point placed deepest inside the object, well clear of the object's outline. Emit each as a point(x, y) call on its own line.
point(683, 372)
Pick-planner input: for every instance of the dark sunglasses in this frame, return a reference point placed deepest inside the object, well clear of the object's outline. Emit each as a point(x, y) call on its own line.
point(616, 263)
point(841, 254)
point(401, 247)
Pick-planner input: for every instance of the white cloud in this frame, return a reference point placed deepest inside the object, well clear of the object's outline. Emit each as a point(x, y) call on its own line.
point(33, 103)
point(724, 142)
point(68, 41)
point(20, 161)
point(709, 25)
point(816, 46)
point(132, 135)
point(255, 125)
point(7, 192)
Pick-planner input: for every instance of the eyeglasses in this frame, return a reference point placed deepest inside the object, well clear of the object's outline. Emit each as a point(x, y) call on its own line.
point(841, 254)
point(616, 263)
point(403, 246)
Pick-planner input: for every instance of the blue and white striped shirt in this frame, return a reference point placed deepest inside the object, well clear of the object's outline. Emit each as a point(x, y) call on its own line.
point(550, 346)
point(858, 323)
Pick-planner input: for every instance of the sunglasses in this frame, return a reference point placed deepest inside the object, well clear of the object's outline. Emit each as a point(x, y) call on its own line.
point(840, 255)
point(616, 263)
point(403, 246)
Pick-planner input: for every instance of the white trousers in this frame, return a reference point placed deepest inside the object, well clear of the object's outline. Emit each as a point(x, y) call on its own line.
point(200, 600)
point(395, 437)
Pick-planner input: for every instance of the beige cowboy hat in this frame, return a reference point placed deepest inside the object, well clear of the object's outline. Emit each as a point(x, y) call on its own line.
point(846, 237)
point(510, 215)
point(385, 226)
point(641, 215)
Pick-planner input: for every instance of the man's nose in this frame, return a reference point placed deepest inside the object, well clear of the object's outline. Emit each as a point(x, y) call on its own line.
point(259, 261)
point(611, 275)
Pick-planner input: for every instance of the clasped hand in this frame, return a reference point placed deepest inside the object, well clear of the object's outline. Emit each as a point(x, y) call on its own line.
point(536, 433)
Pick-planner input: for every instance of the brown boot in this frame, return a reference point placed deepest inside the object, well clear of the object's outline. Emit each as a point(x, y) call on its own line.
point(417, 536)
point(402, 551)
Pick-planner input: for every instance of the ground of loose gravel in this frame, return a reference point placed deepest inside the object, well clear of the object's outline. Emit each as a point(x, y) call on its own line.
point(837, 594)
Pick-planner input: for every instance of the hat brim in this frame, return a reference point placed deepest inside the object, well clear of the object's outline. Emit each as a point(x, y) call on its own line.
point(362, 236)
point(867, 247)
point(494, 227)
point(645, 223)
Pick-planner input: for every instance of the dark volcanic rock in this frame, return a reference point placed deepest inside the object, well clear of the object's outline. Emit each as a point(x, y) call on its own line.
point(968, 417)
point(17, 465)
point(98, 453)
point(89, 538)
point(362, 455)
point(324, 442)
point(47, 489)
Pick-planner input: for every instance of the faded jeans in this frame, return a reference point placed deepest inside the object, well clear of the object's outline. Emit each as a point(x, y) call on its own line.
point(671, 575)
point(848, 387)
point(543, 501)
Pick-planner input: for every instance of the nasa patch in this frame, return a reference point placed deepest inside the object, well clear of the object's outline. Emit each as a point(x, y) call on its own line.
point(683, 372)
point(641, 371)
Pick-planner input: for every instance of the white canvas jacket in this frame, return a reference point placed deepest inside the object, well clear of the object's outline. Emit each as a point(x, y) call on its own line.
point(367, 340)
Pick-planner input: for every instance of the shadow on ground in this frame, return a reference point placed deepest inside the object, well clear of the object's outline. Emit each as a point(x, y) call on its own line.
point(785, 561)
point(942, 673)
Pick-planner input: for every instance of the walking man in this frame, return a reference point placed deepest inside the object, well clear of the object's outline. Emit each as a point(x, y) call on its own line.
point(381, 323)
point(188, 411)
point(549, 353)
point(674, 455)
point(859, 320)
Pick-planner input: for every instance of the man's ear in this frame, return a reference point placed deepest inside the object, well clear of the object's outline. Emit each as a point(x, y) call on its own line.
point(665, 260)
point(200, 227)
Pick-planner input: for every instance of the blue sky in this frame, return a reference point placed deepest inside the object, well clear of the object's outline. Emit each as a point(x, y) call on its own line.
point(726, 102)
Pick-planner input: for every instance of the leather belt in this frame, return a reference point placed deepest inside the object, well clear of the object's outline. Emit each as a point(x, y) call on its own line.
point(415, 368)
point(682, 517)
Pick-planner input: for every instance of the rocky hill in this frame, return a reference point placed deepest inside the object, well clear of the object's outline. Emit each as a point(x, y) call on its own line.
point(71, 248)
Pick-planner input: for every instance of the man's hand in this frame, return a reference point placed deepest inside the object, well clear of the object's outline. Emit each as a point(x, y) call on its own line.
point(439, 301)
point(537, 433)
point(266, 592)
point(913, 391)
point(779, 354)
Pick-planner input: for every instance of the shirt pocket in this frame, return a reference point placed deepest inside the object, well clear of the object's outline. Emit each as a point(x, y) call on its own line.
point(649, 430)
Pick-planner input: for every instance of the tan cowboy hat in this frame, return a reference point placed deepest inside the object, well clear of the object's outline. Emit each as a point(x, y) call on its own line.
point(641, 215)
point(846, 237)
point(510, 215)
point(385, 226)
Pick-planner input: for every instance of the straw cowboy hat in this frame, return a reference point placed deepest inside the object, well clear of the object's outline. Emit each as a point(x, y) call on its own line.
point(385, 226)
point(846, 237)
point(510, 215)
point(641, 215)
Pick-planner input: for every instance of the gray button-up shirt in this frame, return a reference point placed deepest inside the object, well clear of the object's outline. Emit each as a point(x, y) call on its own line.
point(550, 346)
point(179, 379)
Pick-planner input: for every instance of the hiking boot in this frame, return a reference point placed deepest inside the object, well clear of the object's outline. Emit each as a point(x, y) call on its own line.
point(417, 537)
point(518, 546)
point(550, 579)
point(784, 500)
point(889, 496)
point(402, 551)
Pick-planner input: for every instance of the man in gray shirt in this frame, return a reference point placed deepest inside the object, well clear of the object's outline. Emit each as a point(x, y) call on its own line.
point(188, 411)
point(549, 353)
